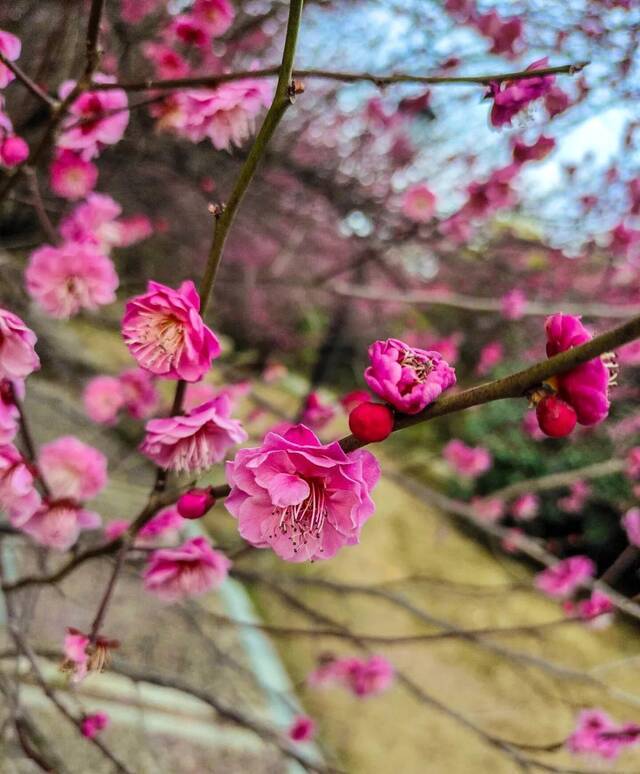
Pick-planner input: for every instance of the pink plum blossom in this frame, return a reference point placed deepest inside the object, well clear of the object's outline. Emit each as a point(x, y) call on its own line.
point(302, 498)
point(541, 148)
point(97, 221)
point(624, 242)
point(556, 101)
point(195, 441)
point(596, 610)
point(490, 356)
point(488, 508)
point(633, 463)
point(586, 387)
point(188, 571)
point(166, 524)
point(18, 357)
point(58, 524)
point(525, 507)
point(469, 461)
point(493, 194)
point(91, 725)
point(513, 304)
point(63, 280)
point(216, 15)
point(597, 734)
point(510, 97)
point(419, 203)
point(165, 333)
point(18, 495)
point(9, 414)
point(134, 11)
point(13, 151)
point(10, 47)
point(302, 729)
point(72, 469)
point(506, 34)
point(408, 378)
point(362, 678)
point(140, 395)
point(316, 413)
point(72, 177)
point(188, 30)
point(574, 502)
point(563, 578)
point(631, 524)
point(116, 528)
point(103, 397)
point(96, 118)
point(75, 651)
point(167, 62)
point(197, 394)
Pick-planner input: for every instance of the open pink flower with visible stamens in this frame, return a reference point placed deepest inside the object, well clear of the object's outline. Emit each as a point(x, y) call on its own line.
point(10, 47)
point(586, 387)
point(75, 651)
point(165, 333)
point(470, 461)
point(91, 725)
point(18, 357)
point(195, 441)
point(18, 495)
point(72, 177)
point(95, 119)
point(188, 571)
point(63, 280)
point(103, 397)
point(563, 578)
point(58, 524)
point(302, 498)
point(419, 203)
point(511, 97)
point(72, 469)
point(408, 378)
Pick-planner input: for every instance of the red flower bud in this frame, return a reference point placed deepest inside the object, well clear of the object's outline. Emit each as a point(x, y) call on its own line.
point(555, 416)
point(371, 422)
point(195, 503)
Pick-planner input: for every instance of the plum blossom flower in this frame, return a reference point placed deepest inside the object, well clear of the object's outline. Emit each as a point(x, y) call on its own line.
point(72, 177)
point(18, 495)
point(525, 507)
point(167, 63)
point(511, 97)
point(362, 678)
point(216, 15)
point(574, 502)
point(82, 657)
point(586, 387)
point(189, 30)
point(72, 469)
point(506, 34)
point(631, 524)
point(63, 280)
point(495, 193)
point(165, 525)
point(10, 47)
point(140, 395)
point(596, 610)
point(302, 498)
point(96, 118)
point(302, 729)
point(9, 414)
point(597, 734)
point(513, 304)
point(409, 378)
point(134, 11)
point(97, 221)
point(103, 397)
point(541, 148)
point(57, 524)
point(18, 357)
point(490, 356)
point(165, 333)
point(419, 203)
point(91, 725)
point(469, 461)
point(316, 413)
point(13, 151)
point(195, 441)
point(188, 571)
point(564, 577)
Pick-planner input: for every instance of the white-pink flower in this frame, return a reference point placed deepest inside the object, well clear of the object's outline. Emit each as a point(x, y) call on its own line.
point(63, 280)
point(188, 571)
point(95, 118)
point(419, 203)
point(73, 469)
point(103, 397)
point(72, 177)
point(58, 524)
point(18, 357)
point(195, 441)
point(97, 221)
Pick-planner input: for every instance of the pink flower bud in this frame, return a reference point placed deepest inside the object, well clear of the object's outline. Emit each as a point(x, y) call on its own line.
point(195, 503)
point(13, 151)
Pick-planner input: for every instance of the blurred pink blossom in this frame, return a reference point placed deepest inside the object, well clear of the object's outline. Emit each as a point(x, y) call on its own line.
point(469, 461)
point(563, 578)
point(18, 357)
point(72, 177)
point(73, 469)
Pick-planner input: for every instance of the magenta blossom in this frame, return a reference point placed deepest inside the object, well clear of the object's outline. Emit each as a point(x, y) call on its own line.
point(419, 203)
point(9, 414)
point(97, 221)
point(506, 34)
point(525, 507)
point(597, 734)
point(103, 397)
point(13, 151)
point(578, 495)
point(596, 610)
point(188, 571)
point(72, 177)
point(91, 725)
point(166, 524)
point(63, 280)
point(141, 397)
point(541, 148)
point(362, 678)
point(58, 524)
point(513, 96)
point(18, 357)
point(513, 304)
point(216, 15)
point(10, 48)
point(302, 729)
point(563, 578)
point(18, 495)
point(408, 378)
point(631, 524)
point(490, 356)
point(302, 498)
point(165, 333)
point(195, 441)
point(469, 461)
point(316, 413)
point(96, 118)
point(72, 469)
point(586, 387)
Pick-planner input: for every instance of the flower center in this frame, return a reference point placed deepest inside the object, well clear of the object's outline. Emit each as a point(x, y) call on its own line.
point(420, 366)
point(304, 520)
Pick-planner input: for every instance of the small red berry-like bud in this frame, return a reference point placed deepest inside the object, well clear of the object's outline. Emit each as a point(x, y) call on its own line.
point(555, 417)
point(371, 422)
point(195, 503)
